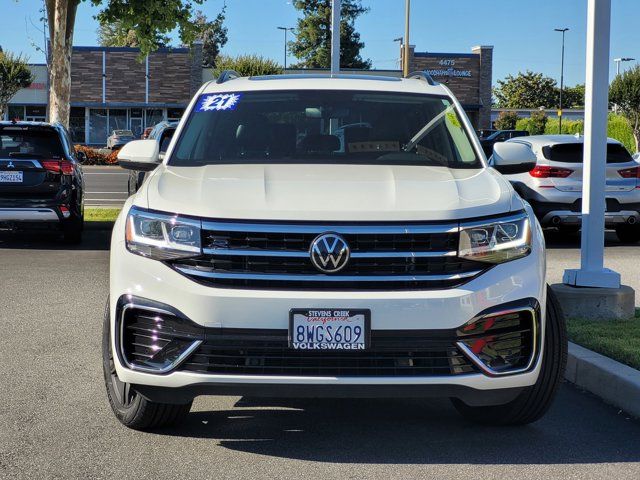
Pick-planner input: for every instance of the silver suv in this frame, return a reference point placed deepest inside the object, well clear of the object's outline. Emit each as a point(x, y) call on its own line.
point(554, 186)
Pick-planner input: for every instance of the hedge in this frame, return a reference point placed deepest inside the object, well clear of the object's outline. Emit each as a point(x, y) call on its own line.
point(95, 157)
point(618, 128)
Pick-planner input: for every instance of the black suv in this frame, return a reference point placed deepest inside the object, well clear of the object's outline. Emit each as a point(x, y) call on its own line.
point(488, 142)
point(41, 180)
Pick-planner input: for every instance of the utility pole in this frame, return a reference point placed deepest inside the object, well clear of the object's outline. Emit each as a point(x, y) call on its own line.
point(335, 36)
point(405, 56)
point(563, 30)
point(286, 29)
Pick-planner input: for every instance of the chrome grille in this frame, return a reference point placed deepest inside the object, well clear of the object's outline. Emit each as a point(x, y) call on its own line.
point(383, 256)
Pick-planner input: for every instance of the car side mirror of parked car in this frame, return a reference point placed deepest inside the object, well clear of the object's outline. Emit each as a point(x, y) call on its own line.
point(140, 155)
point(81, 156)
point(512, 157)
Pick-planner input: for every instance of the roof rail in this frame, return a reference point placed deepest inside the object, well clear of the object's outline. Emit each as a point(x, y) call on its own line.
point(227, 75)
point(423, 75)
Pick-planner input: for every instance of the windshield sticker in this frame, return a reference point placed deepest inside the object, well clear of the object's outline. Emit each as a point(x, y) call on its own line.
point(210, 103)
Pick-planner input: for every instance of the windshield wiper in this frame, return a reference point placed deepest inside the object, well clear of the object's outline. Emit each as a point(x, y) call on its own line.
point(426, 129)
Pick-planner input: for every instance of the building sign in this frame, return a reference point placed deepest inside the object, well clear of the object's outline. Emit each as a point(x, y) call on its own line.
point(447, 68)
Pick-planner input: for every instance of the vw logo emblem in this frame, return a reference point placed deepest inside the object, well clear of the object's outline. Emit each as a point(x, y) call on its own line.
point(329, 252)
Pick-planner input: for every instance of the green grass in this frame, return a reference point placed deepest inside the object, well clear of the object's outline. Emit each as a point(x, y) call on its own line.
point(619, 339)
point(101, 214)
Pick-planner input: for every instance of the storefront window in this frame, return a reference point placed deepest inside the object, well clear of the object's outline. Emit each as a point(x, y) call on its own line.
point(117, 120)
point(36, 113)
point(16, 112)
point(76, 124)
point(98, 126)
point(154, 116)
point(174, 114)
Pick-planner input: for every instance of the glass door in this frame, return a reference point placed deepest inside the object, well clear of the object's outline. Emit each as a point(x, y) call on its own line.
point(135, 125)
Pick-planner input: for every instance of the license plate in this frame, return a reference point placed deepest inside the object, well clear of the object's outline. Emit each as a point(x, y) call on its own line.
point(10, 177)
point(329, 329)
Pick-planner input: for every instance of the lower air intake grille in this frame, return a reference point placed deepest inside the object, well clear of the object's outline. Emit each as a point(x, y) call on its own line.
point(392, 353)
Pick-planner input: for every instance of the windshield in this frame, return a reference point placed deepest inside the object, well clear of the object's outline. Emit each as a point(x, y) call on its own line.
point(324, 127)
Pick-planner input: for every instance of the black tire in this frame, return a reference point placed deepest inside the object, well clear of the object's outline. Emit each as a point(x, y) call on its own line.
point(534, 401)
point(129, 407)
point(72, 231)
point(628, 233)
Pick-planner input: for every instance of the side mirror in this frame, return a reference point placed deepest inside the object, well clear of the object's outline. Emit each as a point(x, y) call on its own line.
point(81, 156)
point(512, 157)
point(140, 155)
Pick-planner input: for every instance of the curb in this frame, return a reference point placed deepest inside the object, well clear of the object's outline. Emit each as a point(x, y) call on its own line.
point(615, 383)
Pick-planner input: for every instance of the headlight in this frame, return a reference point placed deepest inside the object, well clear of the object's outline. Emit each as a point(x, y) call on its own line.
point(497, 241)
point(162, 236)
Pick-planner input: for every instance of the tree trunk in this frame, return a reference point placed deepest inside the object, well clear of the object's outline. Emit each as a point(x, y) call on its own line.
point(61, 15)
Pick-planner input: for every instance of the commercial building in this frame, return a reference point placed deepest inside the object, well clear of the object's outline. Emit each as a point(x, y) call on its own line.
point(115, 88)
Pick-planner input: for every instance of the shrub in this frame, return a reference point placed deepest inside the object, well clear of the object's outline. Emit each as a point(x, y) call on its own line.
point(537, 122)
point(618, 127)
point(522, 124)
point(506, 121)
point(95, 157)
point(570, 127)
point(246, 65)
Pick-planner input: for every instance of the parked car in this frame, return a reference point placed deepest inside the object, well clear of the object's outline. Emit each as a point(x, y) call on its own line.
point(259, 259)
point(118, 138)
point(41, 183)
point(499, 136)
point(485, 132)
point(554, 186)
point(161, 133)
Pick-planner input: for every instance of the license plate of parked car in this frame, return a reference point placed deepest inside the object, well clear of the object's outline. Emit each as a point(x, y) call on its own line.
point(10, 177)
point(329, 329)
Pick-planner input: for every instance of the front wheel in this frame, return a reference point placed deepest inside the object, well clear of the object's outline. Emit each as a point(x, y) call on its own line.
point(628, 233)
point(129, 407)
point(534, 401)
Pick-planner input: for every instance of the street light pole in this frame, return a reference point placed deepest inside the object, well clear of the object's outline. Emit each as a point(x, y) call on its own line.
point(619, 60)
point(286, 29)
point(405, 56)
point(563, 30)
point(336, 5)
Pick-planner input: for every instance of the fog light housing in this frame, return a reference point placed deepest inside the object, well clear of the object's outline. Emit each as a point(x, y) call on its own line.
point(503, 341)
point(154, 339)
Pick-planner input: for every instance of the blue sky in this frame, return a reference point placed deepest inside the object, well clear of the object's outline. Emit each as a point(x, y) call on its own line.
point(521, 31)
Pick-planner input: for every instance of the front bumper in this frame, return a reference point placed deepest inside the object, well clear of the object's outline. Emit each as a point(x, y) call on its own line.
point(221, 309)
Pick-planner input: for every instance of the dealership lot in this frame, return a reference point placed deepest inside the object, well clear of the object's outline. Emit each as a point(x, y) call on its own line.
point(55, 420)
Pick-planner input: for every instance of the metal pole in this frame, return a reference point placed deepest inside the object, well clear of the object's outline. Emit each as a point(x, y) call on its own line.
point(405, 63)
point(335, 36)
point(592, 272)
point(617, 60)
point(561, 83)
point(563, 30)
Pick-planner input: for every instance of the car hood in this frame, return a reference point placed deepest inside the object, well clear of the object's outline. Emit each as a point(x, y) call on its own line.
point(328, 192)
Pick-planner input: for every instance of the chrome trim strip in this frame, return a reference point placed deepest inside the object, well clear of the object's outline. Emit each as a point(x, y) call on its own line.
point(305, 254)
point(35, 163)
point(27, 214)
point(489, 371)
point(321, 228)
point(493, 221)
point(324, 278)
point(183, 356)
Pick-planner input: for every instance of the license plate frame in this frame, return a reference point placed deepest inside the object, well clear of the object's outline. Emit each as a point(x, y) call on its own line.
point(352, 312)
point(6, 175)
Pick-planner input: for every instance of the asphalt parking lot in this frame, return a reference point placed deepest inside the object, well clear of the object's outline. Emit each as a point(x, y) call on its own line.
point(55, 421)
point(105, 186)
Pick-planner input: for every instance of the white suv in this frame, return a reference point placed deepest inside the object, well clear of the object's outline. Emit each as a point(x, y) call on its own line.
point(268, 256)
point(554, 186)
